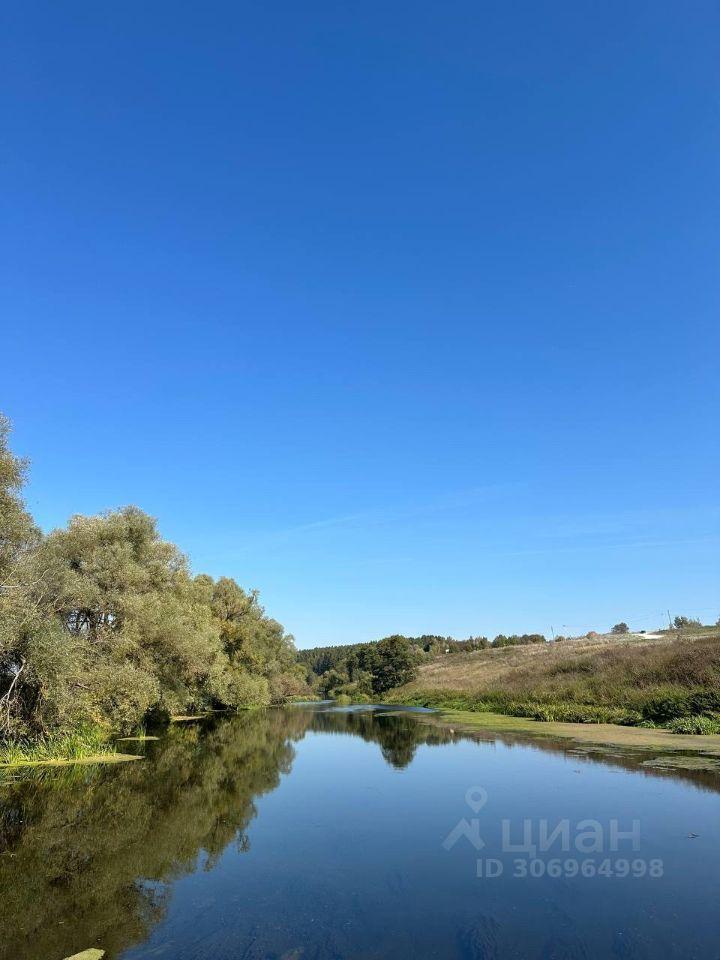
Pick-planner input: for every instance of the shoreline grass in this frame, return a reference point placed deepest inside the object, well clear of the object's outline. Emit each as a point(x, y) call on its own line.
point(686, 712)
point(77, 747)
point(601, 734)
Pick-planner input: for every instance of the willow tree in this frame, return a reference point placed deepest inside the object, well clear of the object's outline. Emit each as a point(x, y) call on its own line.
point(102, 623)
point(261, 655)
point(19, 615)
point(136, 633)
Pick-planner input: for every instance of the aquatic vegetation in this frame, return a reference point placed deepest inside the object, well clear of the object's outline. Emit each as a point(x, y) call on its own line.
point(682, 762)
point(545, 710)
point(63, 747)
point(634, 737)
point(141, 738)
point(551, 711)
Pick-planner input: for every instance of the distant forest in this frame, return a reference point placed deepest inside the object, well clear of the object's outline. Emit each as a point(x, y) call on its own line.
point(360, 670)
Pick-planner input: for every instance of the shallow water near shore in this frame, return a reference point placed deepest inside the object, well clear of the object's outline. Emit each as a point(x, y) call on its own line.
point(316, 831)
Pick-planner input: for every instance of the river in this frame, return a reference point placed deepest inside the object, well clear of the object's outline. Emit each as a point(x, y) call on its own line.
point(315, 832)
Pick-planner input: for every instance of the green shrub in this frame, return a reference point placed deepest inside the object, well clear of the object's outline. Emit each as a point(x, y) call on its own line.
point(572, 713)
point(695, 725)
point(582, 665)
point(706, 701)
point(448, 700)
point(665, 708)
point(628, 718)
point(648, 708)
point(671, 705)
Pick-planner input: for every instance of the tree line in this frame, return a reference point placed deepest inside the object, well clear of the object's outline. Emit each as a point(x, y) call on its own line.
point(361, 670)
point(102, 623)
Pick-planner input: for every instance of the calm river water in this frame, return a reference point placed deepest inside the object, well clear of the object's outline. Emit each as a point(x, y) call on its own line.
point(315, 833)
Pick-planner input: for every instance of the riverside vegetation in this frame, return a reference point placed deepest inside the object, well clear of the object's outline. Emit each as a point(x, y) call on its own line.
point(103, 625)
point(670, 681)
point(186, 855)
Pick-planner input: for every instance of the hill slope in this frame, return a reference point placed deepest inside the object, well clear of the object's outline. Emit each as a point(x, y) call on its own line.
point(633, 679)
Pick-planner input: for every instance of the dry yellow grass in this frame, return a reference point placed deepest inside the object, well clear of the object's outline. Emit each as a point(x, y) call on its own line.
point(495, 668)
point(553, 666)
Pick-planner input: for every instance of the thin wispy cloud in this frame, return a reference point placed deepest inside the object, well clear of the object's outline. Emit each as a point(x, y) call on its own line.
point(593, 547)
point(451, 500)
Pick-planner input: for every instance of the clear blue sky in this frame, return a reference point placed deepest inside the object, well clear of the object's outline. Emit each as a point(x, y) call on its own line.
point(405, 313)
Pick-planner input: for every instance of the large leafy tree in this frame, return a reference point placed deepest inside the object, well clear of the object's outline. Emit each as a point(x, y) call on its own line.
point(102, 622)
point(19, 617)
point(262, 657)
point(134, 633)
point(396, 663)
point(372, 668)
point(18, 533)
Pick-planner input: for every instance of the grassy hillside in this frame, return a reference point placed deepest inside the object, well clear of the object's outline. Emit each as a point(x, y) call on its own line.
point(668, 679)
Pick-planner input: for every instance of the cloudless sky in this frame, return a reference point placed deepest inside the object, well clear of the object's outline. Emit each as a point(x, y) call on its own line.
point(405, 313)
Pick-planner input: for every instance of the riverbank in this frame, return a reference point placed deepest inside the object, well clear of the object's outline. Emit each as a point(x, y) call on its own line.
point(93, 758)
point(604, 734)
point(84, 747)
point(90, 746)
point(670, 682)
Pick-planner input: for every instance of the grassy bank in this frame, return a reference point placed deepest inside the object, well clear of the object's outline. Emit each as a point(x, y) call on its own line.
point(635, 738)
point(671, 682)
point(84, 746)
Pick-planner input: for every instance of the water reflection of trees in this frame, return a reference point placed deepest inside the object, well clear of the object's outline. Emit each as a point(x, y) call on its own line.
point(398, 736)
point(640, 761)
point(87, 854)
